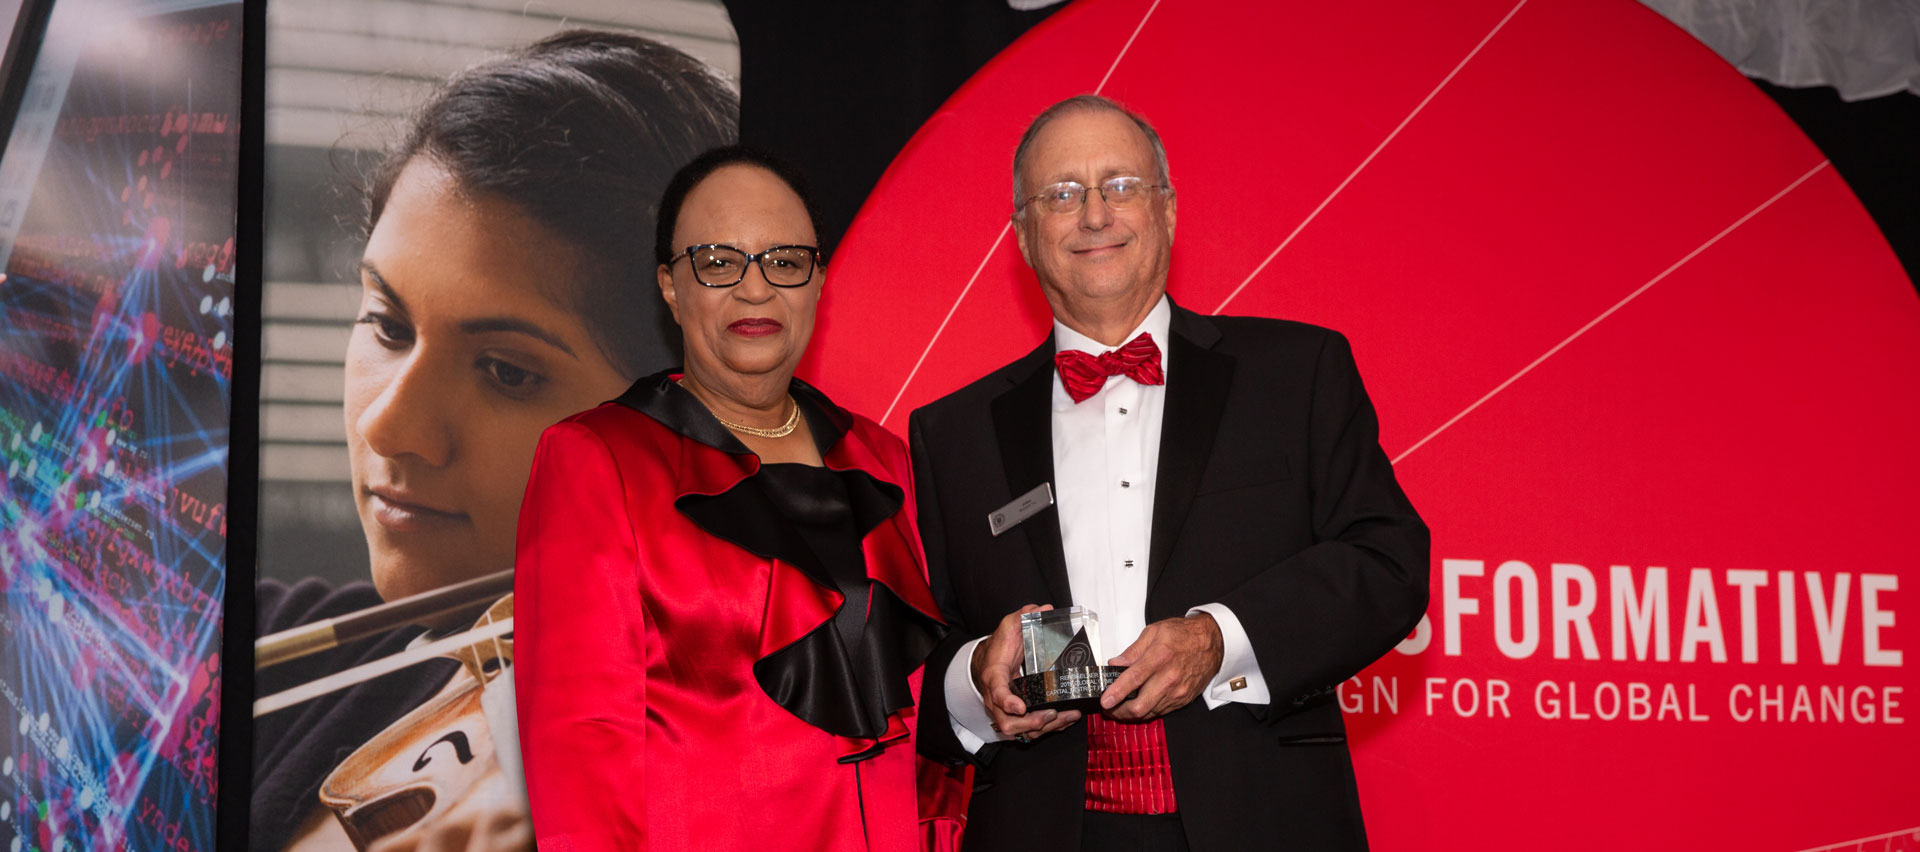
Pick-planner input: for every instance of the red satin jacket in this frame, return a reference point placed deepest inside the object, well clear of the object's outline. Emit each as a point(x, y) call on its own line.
point(679, 681)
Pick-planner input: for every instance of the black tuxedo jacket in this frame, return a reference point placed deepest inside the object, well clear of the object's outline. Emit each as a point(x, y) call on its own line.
point(1274, 498)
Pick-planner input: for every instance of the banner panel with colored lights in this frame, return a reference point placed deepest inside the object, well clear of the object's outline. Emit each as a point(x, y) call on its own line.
point(117, 212)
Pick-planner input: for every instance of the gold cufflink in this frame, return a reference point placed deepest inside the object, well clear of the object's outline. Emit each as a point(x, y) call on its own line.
point(1237, 683)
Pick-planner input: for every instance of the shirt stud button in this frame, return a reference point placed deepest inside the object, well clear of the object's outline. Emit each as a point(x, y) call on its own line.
point(1125, 484)
point(1123, 411)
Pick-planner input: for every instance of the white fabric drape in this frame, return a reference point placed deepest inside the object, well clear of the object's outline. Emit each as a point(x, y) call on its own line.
point(1863, 48)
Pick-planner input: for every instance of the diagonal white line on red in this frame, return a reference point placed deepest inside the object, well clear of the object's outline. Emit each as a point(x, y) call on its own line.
point(1125, 47)
point(1363, 163)
point(943, 323)
point(1915, 831)
point(999, 239)
point(1610, 311)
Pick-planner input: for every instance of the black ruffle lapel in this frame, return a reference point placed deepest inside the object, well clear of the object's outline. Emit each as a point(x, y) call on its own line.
point(662, 398)
point(817, 677)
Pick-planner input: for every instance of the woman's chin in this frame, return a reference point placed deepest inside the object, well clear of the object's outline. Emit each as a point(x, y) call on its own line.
point(400, 572)
point(759, 363)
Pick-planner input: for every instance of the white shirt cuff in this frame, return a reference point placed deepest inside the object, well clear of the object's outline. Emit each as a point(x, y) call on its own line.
point(1239, 678)
point(966, 710)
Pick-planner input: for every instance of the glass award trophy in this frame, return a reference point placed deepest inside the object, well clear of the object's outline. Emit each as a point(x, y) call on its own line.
point(1061, 669)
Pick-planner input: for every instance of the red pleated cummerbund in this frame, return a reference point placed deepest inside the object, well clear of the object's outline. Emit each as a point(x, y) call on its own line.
point(1127, 767)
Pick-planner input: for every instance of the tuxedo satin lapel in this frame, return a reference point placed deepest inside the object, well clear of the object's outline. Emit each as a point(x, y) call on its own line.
point(1023, 423)
point(1197, 386)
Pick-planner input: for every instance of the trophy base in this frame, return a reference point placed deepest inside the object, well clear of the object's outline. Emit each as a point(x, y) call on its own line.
point(1066, 689)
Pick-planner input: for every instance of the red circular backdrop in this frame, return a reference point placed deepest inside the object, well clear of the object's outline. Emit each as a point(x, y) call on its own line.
point(1641, 360)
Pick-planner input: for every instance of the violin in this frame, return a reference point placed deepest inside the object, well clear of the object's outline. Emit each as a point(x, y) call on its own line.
point(441, 753)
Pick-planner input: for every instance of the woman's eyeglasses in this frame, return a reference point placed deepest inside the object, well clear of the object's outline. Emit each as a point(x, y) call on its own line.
point(716, 265)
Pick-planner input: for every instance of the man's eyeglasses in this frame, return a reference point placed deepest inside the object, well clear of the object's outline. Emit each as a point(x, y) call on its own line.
point(716, 265)
point(1068, 197)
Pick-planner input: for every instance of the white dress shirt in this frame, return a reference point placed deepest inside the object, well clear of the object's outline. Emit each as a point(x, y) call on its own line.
point(1106, 459)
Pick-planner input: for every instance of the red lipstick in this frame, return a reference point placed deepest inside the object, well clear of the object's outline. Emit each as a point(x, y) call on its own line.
point(755, 327)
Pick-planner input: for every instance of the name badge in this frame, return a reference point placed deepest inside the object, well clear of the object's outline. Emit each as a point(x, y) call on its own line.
point(1023, 507)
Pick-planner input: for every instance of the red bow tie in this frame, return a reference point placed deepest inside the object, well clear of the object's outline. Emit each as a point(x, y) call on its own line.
point(1083, 375)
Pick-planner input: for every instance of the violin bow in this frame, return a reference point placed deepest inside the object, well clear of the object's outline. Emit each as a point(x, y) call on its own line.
point(330, 633)
point(368, 671)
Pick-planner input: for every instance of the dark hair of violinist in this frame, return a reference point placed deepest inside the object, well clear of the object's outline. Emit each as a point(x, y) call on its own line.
point(506, 283)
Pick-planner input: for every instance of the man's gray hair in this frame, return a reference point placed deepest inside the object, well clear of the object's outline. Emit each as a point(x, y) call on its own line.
point(1083, 103)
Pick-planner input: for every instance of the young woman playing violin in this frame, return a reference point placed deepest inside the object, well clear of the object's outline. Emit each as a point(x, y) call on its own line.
point(507, 284)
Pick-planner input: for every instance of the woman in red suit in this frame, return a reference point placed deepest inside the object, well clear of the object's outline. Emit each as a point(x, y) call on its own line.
point(720, 601)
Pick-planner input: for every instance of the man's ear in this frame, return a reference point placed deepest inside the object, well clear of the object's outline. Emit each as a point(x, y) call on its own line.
point(1020, 238)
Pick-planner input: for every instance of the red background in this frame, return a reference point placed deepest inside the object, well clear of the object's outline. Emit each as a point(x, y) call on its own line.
point(1462, 188)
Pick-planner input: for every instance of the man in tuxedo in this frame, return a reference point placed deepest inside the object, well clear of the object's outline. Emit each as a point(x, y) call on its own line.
point(1219, 499)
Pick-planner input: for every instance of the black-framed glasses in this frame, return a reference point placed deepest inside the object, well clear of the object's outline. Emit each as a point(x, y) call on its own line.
point(719, 265)
point(1119, 193)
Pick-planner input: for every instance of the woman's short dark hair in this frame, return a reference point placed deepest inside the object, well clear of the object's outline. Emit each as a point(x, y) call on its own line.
point(691, 174)
point(581, 131)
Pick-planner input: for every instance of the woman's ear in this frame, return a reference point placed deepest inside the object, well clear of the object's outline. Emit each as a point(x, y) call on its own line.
point(664, 277)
